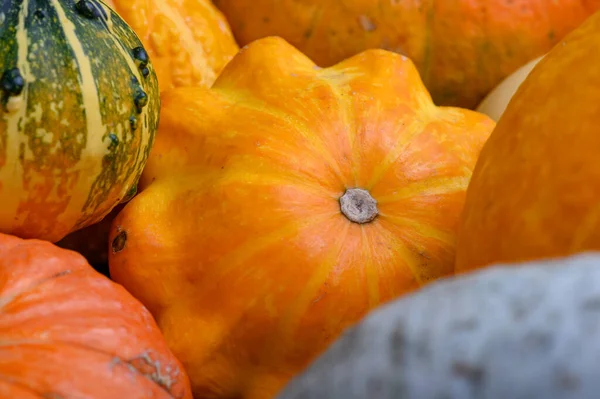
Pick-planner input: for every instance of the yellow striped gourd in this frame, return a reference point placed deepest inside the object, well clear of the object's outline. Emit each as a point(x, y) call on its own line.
point(79, 107)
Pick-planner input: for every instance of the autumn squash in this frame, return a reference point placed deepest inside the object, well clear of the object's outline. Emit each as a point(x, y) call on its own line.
point(69, 332)
point(189, 41)
point(79, 106)
point(534, 192)
point(462, 48)
point(283, 203)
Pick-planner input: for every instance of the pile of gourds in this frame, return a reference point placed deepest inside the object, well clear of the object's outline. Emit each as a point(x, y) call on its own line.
point(243, 206)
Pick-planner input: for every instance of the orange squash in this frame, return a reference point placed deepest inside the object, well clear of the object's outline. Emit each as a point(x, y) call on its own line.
point(462, 48)
point(188, 41)
point(69, 332)
point(535, 189)
point(284, 203)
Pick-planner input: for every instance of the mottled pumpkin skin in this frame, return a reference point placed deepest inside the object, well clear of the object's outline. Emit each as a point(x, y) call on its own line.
point(236, 242)
point(189, 41)
point(75, 139)
point(462, 48)
point(69, 332)
point(536, 186)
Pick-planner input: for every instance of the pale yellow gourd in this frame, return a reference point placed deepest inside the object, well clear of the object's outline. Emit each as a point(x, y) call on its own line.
point(494, 104)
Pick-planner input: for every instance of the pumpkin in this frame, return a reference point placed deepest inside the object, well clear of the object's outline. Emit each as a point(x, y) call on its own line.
point(189, 41)
point(69, 332)
point(535, 189)
point(79, 106)
point(462, 48)
point(494, 104)
point(283, 203)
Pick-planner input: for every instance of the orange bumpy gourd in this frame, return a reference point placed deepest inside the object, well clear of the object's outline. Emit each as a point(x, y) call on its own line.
point(462, 48)
point(69, 332)
point(284, 203)
point(188, 41)
point(535, 189)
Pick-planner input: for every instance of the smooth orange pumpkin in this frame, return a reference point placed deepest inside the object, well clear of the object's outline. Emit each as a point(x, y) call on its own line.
point(284, 203)
point(462, 48)
point(536, 187)
point(188, 41)
point(69, 332)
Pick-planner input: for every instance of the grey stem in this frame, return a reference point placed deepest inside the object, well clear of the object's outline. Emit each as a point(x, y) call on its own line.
point(358, 205)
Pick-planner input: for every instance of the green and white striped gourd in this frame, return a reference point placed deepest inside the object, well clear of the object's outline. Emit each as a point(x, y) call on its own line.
point(79, 107)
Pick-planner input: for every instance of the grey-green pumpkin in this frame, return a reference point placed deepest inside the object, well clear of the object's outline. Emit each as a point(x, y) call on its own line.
point(518, 331)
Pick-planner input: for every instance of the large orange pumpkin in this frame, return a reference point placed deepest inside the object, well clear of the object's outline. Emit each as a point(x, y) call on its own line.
point(287, 201)
point(462, 48)
point(536, 188)
point(188, 41)
point(69, 332)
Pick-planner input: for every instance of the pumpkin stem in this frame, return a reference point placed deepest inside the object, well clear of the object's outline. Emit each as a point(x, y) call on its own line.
point(358, 205)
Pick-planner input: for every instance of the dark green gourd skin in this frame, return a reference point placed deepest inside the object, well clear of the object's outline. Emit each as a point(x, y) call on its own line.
point(79, 107)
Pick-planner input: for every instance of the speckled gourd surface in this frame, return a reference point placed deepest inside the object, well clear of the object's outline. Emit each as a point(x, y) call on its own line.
point(79, 106)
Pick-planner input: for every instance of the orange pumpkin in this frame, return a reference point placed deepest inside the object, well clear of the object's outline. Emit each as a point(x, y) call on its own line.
point(284, 203)
point(69, 332)
point(188, 41)
point(535, 190)
point(462, 48)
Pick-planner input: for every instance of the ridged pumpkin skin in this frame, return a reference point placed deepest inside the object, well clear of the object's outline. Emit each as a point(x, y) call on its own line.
point(236, 242)
point(535, 189)
point(189, 41)
point(462, 48)
point(69, 332)
point(77, 115)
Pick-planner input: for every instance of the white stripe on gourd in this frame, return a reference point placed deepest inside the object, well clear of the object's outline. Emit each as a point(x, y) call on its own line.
point(90, 161)
point(11, 175)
